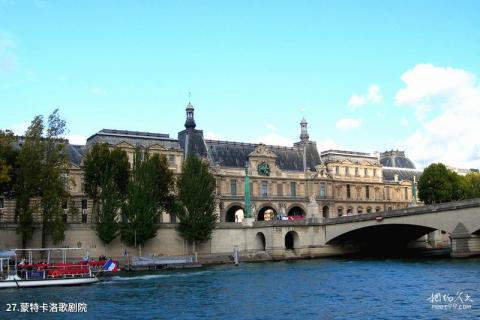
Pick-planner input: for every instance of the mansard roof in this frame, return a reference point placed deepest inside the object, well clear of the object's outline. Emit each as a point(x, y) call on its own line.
point(134, 138)
point(76, 153)
point(235, 154)
point(403, 174)
point(396, 159)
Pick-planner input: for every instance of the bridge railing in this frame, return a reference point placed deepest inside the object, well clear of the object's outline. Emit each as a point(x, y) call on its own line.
point(407, 212)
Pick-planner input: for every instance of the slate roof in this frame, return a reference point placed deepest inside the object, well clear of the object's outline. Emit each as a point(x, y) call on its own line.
point(396, 159)
point(403, 174)
point(135, 138)
point(191, 142)
point(76, 153)
point(235, 154)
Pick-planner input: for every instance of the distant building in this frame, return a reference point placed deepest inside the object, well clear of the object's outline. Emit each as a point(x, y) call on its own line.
point(284, 180)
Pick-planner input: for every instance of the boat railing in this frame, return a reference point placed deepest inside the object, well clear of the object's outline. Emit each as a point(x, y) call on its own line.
point(43, 271)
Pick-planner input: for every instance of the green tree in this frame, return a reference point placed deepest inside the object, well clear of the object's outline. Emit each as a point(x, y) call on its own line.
point(472, 182)
point(195, 207)
point(54, 181)
point(94, 166)
point(8, 156)
point(439, 184)
point(106, 178)
point(28, 169)
point(150, 190)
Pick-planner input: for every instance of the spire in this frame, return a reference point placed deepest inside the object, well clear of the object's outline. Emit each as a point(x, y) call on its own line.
point(304, 132)
point(190, 121)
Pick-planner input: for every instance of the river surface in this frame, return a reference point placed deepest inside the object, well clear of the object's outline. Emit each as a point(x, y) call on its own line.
point(308, 289)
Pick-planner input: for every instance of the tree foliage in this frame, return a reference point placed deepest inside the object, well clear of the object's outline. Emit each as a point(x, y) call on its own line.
point(28, 170)
point(54, 179)
point(195, 207)
point(106, 177)
point(472, 185)
point(439, 184)
point(41, 172)
point(8, 156)
point(150, 190)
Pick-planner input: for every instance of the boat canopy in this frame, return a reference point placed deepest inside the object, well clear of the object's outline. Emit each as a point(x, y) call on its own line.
point(7, 253)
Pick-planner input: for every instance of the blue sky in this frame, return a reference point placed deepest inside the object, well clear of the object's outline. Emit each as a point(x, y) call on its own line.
point(367, 75)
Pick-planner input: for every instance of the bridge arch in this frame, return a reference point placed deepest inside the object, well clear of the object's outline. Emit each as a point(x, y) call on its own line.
point(292, 240)
point(296, 210)
point(266, 211)
point(234, 212)
point(382, 234)
point(260, 242)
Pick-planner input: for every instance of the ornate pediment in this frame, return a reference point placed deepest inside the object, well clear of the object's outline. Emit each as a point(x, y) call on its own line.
point(157, 147)
point(124, 144)
point(262, 151)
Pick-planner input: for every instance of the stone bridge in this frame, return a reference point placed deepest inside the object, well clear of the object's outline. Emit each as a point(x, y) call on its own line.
point(389, 230)
point(460, 220)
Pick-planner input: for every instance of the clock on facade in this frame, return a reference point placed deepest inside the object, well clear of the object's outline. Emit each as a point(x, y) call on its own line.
point(263, 169)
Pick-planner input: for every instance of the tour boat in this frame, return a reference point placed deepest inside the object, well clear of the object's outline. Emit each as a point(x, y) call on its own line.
point(23, 274)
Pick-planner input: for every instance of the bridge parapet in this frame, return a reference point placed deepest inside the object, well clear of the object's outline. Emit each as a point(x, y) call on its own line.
point(448, 206)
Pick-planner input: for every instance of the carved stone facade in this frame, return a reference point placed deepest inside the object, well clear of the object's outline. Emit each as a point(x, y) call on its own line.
point(293, 181)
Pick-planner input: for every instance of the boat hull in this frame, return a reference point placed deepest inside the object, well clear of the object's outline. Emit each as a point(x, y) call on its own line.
point(47, 282)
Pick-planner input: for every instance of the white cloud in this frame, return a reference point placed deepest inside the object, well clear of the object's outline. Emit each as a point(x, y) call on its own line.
point(450, 134)
point(212, 136)
point(404, 122)
point(373, 96)
point(356, 101)
point(274, 139)
point(348, 123)
point(76, 139)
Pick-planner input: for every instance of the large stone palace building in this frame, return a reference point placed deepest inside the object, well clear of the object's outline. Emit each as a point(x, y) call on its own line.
point(296, 181)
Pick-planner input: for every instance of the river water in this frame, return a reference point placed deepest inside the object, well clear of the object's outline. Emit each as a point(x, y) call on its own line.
point(308, 289)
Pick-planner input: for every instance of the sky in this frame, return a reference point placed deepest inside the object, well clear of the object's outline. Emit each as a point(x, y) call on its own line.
point(367, 75)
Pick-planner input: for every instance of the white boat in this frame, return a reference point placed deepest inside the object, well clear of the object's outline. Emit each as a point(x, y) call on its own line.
point(25, 275)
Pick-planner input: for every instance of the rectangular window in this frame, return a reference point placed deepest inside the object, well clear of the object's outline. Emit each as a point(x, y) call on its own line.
point(348, 191)
point(337, 170)
point(388, 193)
point(280, 189)
point(84, 216)
point(64, 218)
point(264, 189)
point(374, 172)
point(365, 172)
point(406, 193)
point(64, 205)
point(356, 171)
point(347, 171)
point(84, 204)
point(233, 187)
point(367, 192)
point(322, 190)
point(171, 158)
point(293, 189)
point(2, 203)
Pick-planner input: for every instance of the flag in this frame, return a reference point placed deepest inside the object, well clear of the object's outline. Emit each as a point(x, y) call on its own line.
point(109, 265)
